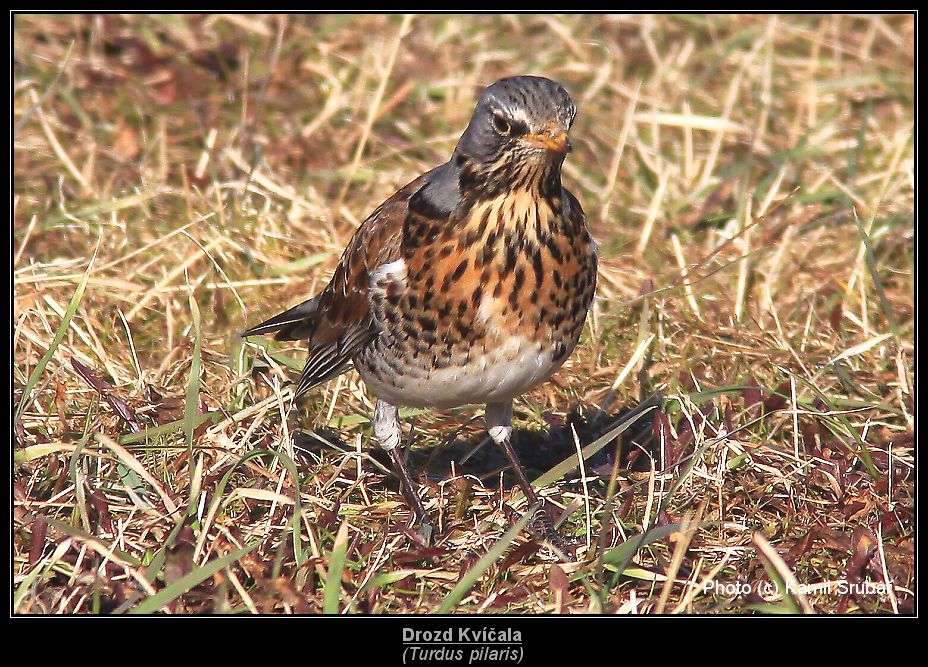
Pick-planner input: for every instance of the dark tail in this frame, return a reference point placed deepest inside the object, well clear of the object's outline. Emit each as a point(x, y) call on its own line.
point(298, 323)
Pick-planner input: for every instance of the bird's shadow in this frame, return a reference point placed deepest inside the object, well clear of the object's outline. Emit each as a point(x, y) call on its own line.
point(538, 450)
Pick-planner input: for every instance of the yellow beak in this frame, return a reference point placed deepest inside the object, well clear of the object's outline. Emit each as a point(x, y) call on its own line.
point(556, 143)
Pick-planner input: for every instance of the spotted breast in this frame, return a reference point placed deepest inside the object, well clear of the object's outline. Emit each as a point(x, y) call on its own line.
point(481, 308)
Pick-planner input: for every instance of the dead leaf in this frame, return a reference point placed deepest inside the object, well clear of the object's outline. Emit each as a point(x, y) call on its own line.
point(60, 392)
point(777, 400)
point(558, 582)
point(126, 144)
point(37, 540)
point(865, 545)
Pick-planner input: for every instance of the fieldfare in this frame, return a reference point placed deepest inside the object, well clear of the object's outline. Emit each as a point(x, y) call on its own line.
point(471, 284)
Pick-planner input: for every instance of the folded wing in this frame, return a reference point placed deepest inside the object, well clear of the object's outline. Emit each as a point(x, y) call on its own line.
point(337, 322)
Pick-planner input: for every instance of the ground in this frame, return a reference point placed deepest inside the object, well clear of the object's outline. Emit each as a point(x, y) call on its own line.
point(749, 180)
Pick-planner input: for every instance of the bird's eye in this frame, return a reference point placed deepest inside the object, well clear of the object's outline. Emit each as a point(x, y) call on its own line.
point(502, 126)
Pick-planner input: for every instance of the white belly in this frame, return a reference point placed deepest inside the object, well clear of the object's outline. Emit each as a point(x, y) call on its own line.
point(497, 375)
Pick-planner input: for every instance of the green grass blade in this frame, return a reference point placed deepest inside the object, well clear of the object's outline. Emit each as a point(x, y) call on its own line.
point(619, 557)
point(571, 463)
point(33, 452)
point(332, 588)
point(157, 561)
point(130, 201)
point(870, 259)
point(385, 579)
point(189, 581)
point(297, 507)
point(191, 404)
point(473, 575)
point(298, 265)
point(73, 461)
point(47, 93)
point(709, 394)
point(354, 420)
point(168, 428)
point(834, 416)
point(23, 589)
point(59, 336)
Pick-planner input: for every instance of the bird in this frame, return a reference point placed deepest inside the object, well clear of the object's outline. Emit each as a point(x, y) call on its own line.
point(470, 285)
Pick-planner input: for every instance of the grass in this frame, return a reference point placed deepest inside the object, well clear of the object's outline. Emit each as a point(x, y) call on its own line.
point(749, 179)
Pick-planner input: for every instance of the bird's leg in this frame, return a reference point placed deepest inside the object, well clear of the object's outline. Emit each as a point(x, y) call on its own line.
point(499, 425)
point(389, 435)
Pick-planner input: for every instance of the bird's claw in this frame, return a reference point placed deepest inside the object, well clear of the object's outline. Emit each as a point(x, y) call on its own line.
point(542, 529)
point(427, 531)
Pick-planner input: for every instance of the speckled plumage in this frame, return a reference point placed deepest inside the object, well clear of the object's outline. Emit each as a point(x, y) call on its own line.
point(471, 284)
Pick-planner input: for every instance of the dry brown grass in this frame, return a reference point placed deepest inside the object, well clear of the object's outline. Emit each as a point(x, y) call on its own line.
point(750, 180)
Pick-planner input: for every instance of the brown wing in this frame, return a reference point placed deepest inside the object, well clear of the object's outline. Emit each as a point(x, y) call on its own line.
point(337, 322)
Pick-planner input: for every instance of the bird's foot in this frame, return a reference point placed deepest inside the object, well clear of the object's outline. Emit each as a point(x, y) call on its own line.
point(542, 529)
point(425, 529)
point(419, 520)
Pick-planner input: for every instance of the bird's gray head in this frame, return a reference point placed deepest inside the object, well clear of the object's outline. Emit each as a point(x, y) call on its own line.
point(517, 138)
point(518, 121)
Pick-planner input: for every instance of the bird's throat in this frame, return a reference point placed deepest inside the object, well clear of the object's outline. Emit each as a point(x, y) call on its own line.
point(538, 172)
